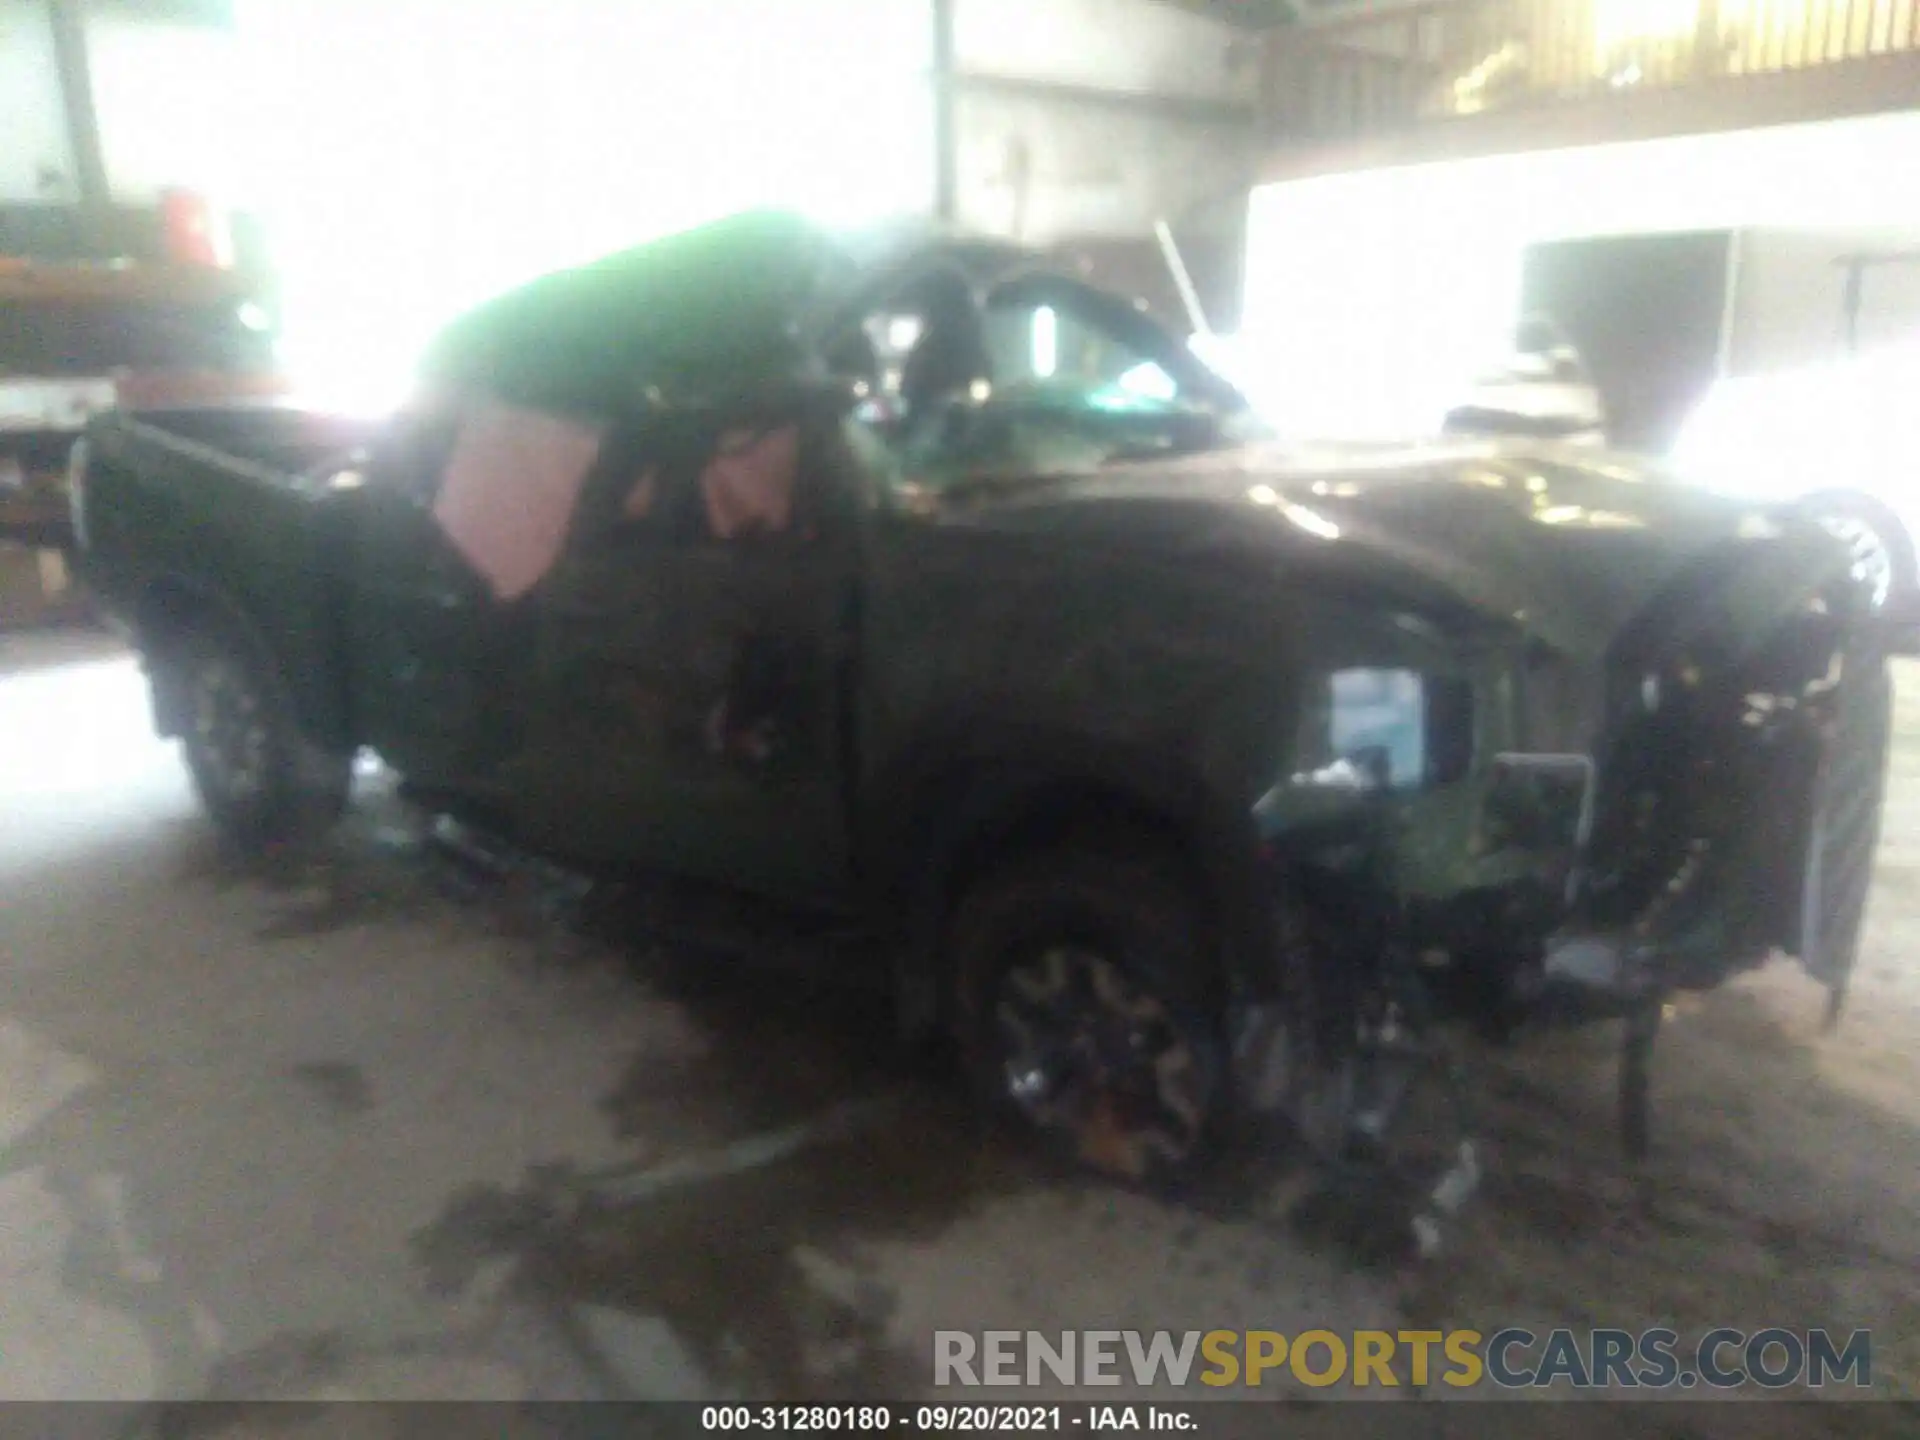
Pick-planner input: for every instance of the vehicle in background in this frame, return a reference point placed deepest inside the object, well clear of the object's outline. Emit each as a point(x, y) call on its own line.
point(1839, 440)
point(1542, 390)
point(174, 327)
point(938, 610)
point(122, 281)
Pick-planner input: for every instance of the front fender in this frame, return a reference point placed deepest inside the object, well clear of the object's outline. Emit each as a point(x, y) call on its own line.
point(969, 790)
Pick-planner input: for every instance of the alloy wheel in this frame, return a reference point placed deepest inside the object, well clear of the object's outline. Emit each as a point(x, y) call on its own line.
point(1872, 556)
point(1090, 1054)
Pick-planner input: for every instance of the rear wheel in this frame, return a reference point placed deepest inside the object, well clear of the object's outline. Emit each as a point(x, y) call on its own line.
point(262, 781)
point(1086, 1012)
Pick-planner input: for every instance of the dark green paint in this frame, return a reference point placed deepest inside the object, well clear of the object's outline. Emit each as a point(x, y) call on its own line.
point(1153, 629)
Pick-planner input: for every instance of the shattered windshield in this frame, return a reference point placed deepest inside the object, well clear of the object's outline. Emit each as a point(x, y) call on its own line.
point(1034, 378)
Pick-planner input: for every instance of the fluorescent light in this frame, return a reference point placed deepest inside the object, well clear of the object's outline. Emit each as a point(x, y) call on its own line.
point(1046, 343)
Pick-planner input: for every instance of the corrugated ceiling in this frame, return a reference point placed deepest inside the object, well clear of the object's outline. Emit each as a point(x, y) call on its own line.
point(1259, 15)
point(1243, 14)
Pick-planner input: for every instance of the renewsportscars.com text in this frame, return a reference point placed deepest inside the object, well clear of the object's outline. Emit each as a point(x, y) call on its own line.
point(1511, 1358)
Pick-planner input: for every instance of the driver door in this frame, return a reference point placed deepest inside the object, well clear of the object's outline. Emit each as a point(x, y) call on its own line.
point(436, 670)
point(692, 670)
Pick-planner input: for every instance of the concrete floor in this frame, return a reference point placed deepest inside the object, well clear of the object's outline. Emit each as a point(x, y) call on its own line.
point(267, 1135)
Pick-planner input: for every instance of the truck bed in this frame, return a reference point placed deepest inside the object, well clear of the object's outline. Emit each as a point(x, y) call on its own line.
point(271, 443)
point(231, 508)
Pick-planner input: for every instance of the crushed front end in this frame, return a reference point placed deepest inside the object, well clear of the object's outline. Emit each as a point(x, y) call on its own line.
point(1737, 764)
point(1543, 834)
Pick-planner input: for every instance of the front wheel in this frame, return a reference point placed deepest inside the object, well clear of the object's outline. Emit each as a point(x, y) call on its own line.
point(262, 781)
point(1085, 1012)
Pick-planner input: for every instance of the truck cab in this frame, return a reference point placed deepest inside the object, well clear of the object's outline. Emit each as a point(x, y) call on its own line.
point(931, 599)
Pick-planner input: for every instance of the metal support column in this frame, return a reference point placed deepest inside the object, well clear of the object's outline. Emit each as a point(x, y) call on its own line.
point(76, 88)
point(946, 141)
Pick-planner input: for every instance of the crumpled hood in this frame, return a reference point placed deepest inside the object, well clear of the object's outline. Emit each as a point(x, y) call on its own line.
point(1573, 545)
point(1569, 542)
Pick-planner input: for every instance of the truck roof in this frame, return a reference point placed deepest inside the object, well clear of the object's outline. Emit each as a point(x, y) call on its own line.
point(714, 305)
point(711, 303)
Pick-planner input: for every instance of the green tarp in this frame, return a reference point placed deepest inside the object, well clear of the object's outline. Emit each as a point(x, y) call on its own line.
point(705, 312)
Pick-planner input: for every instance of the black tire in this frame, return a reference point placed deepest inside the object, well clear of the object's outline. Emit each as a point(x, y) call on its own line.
point(1861, 512)
point(1849, 800)
point(1088, 1013)
point(263, 782)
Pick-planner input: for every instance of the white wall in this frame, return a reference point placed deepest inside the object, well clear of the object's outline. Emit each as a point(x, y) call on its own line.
point(163, 100)
point(33, 125)
point(166, 106)
point(1098, 168)
point(1789, 292)
point(415, 156)
point(1371, 302)
point(1092, 172)
point(409, 157)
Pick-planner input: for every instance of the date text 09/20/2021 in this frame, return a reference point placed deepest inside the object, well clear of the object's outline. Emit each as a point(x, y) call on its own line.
point(946, 1419)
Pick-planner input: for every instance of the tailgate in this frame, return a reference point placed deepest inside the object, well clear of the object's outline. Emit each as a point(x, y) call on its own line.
point(169, 520)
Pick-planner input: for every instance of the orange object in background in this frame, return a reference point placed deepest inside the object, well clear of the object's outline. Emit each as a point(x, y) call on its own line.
point(77, 338)
point(193, 232)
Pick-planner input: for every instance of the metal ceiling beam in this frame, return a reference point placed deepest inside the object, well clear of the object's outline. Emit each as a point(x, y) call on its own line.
point(1173, 107)
point(1879, 85)
point(1254, 15)
point(1263, 17)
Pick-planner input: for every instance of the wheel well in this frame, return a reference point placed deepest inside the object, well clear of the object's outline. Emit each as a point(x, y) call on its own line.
point(1048, 815)
point(168, 611)
point(1000, 818)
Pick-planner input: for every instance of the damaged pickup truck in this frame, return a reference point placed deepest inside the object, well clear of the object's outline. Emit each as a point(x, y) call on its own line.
point(949, 612)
